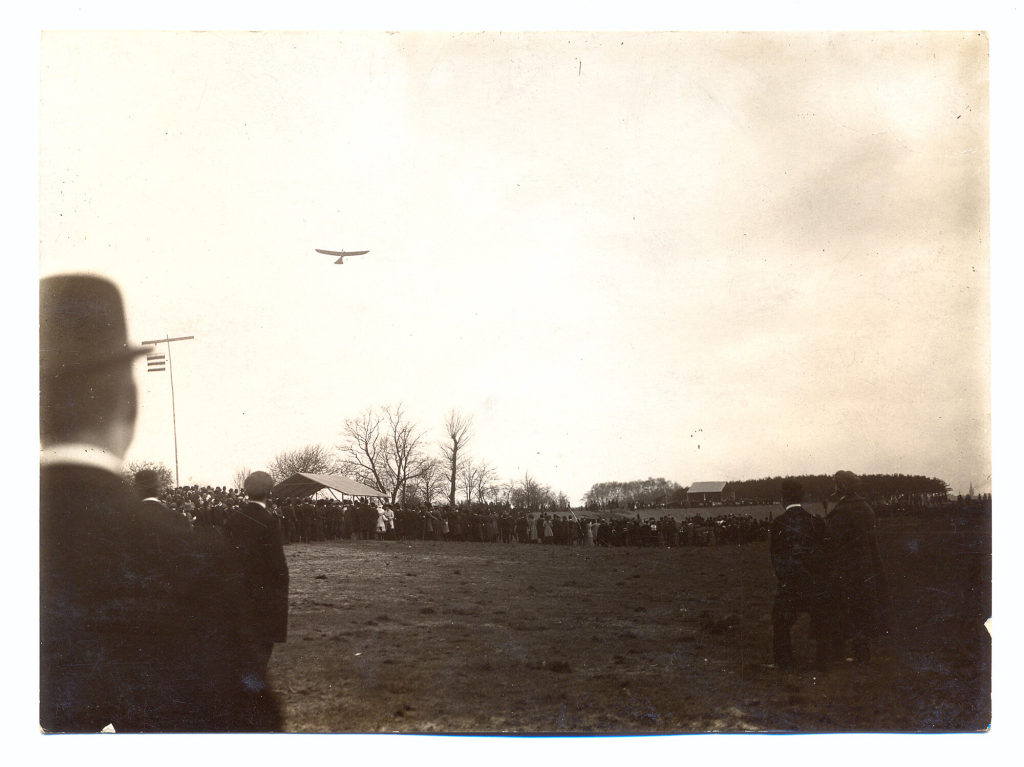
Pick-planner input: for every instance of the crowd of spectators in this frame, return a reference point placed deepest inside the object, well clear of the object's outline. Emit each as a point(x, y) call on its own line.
point(961, 504)
point(305, 520)
point(695, 530)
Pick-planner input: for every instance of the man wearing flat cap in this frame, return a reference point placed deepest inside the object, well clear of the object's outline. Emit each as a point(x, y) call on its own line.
point(256, 536)
point(858, 586)
point(139, 625)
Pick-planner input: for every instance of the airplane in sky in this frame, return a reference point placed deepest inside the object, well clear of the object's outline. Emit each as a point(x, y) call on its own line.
point(342, 253)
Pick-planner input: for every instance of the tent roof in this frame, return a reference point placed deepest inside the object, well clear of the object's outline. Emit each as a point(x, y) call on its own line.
point(707, 487)
point(301, 485)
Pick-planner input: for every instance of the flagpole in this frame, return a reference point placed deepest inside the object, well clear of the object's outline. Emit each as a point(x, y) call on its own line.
point(174, 415)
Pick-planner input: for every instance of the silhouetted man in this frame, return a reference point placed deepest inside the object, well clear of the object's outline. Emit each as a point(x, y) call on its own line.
point(139, 619)
point(858, 583)
point(147, 488)
point(256, 536)
point(797, 552)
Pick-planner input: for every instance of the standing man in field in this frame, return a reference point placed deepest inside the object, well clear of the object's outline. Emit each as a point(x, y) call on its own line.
point(139, 619)
point(256, 536)
point(798, 560)
point(858, 584)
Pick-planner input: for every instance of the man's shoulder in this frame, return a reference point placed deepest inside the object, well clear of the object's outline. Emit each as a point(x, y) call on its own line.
point(794, 514)
point(252, 506)
point(83, 494)
point(163, 514)
point(850, 508)
point(797, 521)
point(86, 477)
point(251, 513)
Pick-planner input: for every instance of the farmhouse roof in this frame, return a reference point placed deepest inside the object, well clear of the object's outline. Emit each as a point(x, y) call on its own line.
point(707, 487)
point(301, 485)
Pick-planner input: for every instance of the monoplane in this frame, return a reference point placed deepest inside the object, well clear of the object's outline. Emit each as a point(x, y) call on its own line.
point(341, 254)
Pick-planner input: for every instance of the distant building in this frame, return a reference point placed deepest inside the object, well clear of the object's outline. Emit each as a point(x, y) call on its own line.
point(710, 492)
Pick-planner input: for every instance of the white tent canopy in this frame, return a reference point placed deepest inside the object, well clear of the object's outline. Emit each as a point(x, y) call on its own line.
point(303, 485)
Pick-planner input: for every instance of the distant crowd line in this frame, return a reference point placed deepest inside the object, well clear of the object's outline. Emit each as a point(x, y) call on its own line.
point(306, 520)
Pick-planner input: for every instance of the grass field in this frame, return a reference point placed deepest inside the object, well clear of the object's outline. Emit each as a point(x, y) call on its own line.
point(430, 636)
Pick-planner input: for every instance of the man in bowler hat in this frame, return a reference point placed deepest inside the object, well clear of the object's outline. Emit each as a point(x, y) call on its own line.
point(139, 620)
point(147, 488)
point(256, 536)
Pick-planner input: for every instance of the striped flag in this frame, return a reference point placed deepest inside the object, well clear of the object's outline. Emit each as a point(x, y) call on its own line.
point(155, 363)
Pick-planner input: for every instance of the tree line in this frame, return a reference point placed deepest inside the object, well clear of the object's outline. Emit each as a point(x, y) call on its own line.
point(651, 492)
point(879, 487)
point(387, 450)
point(643, 493)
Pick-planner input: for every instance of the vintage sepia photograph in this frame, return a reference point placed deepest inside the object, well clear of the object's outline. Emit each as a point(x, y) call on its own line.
point(525, 383)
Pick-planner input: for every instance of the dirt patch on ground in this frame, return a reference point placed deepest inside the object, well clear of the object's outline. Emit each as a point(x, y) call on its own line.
point(426, 636)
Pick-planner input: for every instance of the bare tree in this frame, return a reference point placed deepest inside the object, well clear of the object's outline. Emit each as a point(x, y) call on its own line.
point(505, 489)
point(430, 478)
point(457, 430)
point(401, 449)
point(495, 493)
point(238, 478)
point(363, 449)
point(311, 459)
point(530, 494)
point(467, 478)
point(484, 476)
point(382, 449)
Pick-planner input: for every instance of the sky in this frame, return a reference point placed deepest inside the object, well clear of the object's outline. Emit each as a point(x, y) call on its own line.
point(210, 229)
point(698, 256)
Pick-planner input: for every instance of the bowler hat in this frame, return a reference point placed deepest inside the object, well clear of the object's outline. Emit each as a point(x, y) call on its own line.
point(81, 325)
point(258, 483)
point(792, 491)
point(847, 481)
point(147, 479)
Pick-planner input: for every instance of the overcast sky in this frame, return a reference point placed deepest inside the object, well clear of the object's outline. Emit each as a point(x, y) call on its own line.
point(695, 256)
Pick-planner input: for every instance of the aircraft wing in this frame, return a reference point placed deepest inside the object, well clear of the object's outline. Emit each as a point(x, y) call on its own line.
point(342, 252)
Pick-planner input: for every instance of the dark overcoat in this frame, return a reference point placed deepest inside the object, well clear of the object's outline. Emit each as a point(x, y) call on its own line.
point(798, 552)
point(140, 620)
point(858, 579)
point(256, 537)
point(158, 509)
